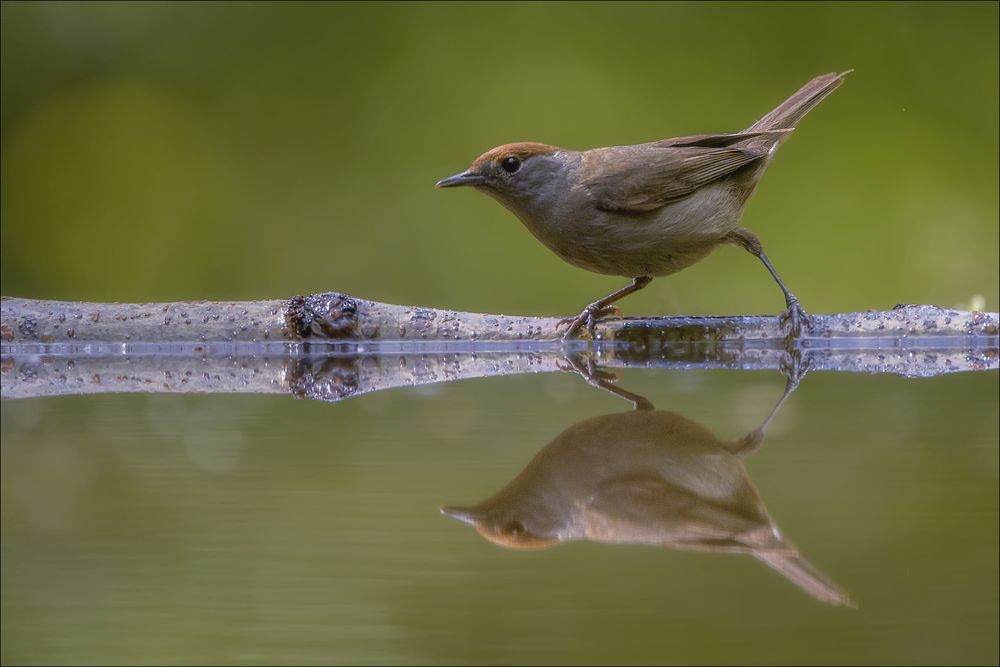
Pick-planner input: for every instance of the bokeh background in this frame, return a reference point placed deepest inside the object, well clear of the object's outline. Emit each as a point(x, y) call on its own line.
point(171, 151)
point(168, 151)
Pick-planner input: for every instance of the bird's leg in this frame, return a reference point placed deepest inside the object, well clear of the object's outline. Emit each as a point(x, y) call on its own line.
point(793, 312)
point(587, 369)
point(752, 440)
point(594, 311)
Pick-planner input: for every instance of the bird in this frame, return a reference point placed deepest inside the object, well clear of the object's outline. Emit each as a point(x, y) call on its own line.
point(650, 477)
point(647, 210)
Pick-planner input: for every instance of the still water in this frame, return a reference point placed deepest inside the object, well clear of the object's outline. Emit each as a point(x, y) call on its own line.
point(580, 526)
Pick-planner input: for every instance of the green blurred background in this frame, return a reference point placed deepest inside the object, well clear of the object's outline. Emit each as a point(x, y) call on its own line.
point(170, 151)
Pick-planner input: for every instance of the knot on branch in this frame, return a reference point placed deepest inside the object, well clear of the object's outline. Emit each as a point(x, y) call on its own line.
point(323, 379)
point(329, 315)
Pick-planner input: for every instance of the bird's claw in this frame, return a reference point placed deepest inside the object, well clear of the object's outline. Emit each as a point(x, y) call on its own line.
point(794, 367)
point(588, 318)
point(795, 318)
point(584, 366)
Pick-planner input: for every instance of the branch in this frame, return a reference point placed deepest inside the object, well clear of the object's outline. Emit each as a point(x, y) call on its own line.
point(331, 346)
point(332, 316)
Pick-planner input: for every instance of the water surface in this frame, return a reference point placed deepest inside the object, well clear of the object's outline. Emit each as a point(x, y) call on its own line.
point(262, 529)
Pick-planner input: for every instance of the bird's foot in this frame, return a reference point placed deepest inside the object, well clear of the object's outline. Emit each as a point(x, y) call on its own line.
point(795, 319)
point(588, 318)
point(794, 366)
point(584, 366)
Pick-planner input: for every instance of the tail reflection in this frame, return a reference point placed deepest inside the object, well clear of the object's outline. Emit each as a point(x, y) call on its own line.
point(644, 477)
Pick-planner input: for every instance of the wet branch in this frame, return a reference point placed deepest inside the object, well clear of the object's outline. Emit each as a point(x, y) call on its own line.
point(330, 346)
point(332, 316)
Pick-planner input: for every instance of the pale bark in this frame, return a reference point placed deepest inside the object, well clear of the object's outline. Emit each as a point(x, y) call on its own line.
point(332, 316)
point(330, 346)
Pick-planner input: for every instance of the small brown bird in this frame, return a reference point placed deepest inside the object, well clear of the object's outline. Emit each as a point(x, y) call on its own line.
point(644, 477)
point(645, 210)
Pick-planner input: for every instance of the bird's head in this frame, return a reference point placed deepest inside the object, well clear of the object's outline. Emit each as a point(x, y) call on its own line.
point(503, 526)
point(514, 172)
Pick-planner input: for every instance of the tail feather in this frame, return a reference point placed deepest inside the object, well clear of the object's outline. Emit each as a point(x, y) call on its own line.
point(787, 114)
point(801, 572)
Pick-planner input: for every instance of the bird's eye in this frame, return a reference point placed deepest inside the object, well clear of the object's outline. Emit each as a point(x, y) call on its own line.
point(511, 164)
point(514, 528)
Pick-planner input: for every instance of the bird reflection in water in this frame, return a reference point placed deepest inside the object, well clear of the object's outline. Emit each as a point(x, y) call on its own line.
point(644, 477)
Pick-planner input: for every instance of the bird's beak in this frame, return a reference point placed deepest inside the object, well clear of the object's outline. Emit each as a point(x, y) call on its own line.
point(465, 178)
point(463, 514)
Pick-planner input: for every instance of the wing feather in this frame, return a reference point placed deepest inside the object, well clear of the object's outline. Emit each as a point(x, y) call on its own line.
point(650, 176)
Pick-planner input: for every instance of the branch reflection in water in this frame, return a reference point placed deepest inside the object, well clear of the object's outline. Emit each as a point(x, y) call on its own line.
point(648, 477)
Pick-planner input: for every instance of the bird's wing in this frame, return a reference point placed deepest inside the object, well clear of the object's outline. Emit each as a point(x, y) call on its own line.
point(649, 509)
point(720, 140)
point(634, 179)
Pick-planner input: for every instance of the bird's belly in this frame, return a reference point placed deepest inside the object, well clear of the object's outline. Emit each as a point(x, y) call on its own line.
point(656, 243)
